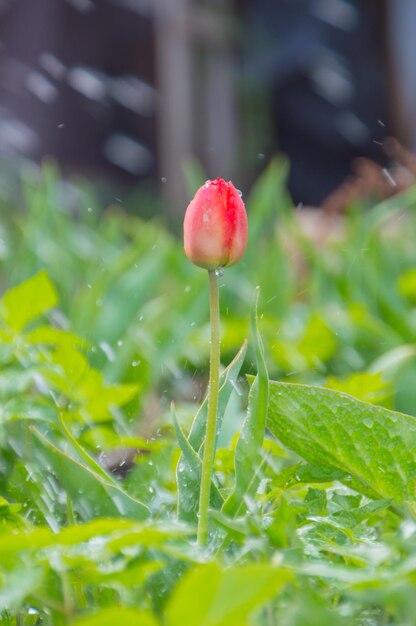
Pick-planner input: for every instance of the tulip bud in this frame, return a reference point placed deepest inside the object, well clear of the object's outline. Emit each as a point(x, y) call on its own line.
point(215, 226)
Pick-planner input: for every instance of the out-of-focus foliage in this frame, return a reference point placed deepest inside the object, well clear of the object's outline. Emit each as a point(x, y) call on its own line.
point(103, 322)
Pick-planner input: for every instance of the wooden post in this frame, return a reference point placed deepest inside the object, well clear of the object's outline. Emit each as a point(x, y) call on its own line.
point(220, 113)
point(174, 83)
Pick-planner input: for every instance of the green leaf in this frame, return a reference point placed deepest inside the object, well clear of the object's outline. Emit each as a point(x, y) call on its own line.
point(306, 473)
point(250, 441)
point(211, 596)
point(74, 377)
point(118, 533)
point(191, 463)
point(27, 301)
point(366, 386)
point(91, 493)
point(83, 454)
point(114, 615)
point(27, 408)
point(187, 481)
point(407, 285)
point(375, 446)
point(228, 382)
point(318, 342)
point(16, 585)
point(49, 335)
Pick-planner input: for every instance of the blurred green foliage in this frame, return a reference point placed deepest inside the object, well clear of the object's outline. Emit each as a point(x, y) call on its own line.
point(103, 321)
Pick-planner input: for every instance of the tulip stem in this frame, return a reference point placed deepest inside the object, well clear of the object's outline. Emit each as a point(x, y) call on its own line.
point(211, 427)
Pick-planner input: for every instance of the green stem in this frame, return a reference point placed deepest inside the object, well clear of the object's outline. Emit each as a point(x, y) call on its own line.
point(210, 433)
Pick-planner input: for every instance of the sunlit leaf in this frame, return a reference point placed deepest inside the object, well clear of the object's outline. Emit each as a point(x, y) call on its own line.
point(24, 303)
point(211, 596)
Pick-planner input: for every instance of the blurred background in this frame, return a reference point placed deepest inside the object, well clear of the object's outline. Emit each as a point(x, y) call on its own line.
point(127, 91)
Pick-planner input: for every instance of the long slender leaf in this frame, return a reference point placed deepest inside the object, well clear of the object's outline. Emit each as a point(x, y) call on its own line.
point(190, 468)
point(187, 475)
point(247, 452)
point(90, 493)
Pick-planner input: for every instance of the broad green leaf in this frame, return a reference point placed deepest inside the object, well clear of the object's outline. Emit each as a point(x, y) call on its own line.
point(50, 335)
point(91, 494)
point(116, 615)
point(27, 301)
point(187, 481)
point(250, 441)
point(70, 372)
point(84, 385)
point(375, 446)
point(211, 596)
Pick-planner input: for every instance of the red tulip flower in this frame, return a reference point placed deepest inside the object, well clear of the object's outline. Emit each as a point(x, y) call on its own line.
point(215, 226)
point(215, 236)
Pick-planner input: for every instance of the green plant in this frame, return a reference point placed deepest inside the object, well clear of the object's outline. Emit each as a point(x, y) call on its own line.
point(312, 508)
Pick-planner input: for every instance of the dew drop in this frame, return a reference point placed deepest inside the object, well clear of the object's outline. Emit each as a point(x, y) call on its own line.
point(108, 351)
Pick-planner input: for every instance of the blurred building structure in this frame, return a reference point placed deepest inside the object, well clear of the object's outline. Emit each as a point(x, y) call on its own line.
point(129, 89)
point(324, 62)
point(119, 88)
